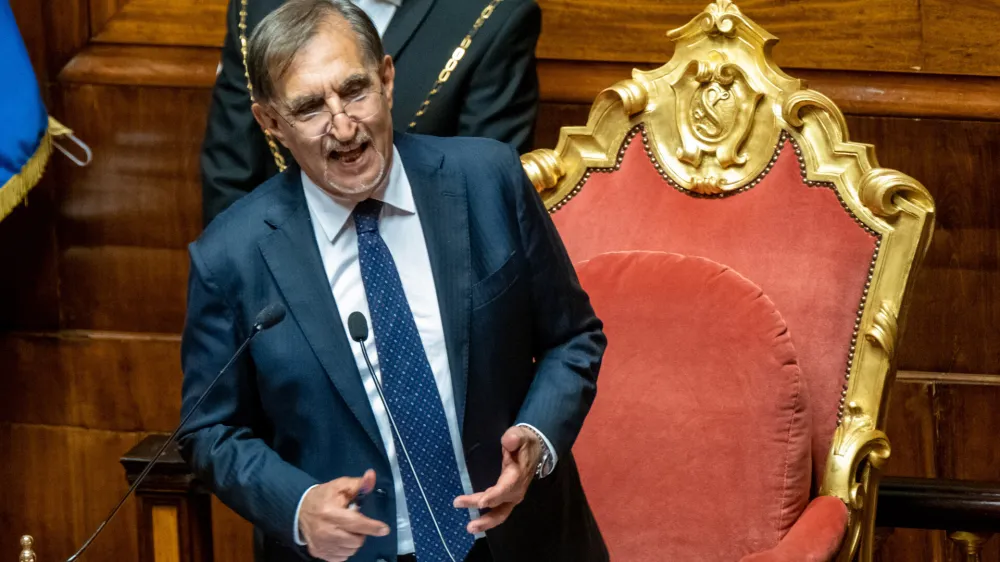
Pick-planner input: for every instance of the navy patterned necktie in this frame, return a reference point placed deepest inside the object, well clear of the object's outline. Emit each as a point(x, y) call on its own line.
point(414, 402)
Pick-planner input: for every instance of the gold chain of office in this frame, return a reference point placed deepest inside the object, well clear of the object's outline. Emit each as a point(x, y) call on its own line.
point(443, 76)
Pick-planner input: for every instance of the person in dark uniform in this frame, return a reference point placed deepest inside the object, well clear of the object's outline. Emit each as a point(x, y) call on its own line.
point(482, 50)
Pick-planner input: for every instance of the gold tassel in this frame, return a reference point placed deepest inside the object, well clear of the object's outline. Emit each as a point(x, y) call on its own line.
point(17, 187)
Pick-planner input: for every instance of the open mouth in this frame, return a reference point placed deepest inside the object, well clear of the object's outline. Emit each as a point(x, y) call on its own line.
point(349, 155)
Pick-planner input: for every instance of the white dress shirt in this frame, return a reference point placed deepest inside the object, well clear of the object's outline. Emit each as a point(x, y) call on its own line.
point(380, 12)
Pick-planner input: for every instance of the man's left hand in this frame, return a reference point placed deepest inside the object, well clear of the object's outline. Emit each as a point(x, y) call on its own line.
point(522, 450)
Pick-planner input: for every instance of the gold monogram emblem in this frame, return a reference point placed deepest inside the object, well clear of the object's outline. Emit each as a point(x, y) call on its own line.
point(715, 110)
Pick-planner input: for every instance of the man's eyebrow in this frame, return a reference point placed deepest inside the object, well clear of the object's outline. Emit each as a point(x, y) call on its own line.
point(358, 80)
point(298, 104)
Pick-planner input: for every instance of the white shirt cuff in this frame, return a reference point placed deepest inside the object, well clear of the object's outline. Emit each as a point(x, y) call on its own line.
point(552, 450)
point(295, 532)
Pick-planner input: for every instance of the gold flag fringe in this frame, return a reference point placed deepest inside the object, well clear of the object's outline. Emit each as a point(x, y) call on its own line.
point(17, 187)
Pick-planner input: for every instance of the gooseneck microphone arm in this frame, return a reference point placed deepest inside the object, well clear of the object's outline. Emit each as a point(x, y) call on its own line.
point(357, 325)
point(267, 318)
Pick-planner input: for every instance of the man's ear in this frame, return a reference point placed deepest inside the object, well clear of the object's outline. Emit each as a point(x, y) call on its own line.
point(388, 78)
point(267, 120)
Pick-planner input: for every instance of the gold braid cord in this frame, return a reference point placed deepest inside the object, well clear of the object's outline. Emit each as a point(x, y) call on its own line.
point(443, 76)
point(279, 160)
point(456, 57)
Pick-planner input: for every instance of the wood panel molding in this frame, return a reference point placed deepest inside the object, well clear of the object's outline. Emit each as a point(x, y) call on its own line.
point(178, 22)
point(890, 35)
point(925, 377)
point(166, 542)
point(561, 81)
point(137, 65)
point(881, 94)
point(108, 381)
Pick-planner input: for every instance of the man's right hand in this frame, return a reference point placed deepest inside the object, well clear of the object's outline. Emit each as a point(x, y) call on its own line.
point(332, 530)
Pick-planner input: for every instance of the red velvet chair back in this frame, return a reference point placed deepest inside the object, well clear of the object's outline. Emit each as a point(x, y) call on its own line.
point(796, 241)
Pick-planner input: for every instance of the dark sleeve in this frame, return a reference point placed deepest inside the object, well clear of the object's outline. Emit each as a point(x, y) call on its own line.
point(219, 442)
point(568, 338)
point(234, 156)
point(502, 100)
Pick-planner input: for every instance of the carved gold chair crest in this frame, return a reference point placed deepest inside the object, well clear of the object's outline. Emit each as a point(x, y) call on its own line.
point(720, 154)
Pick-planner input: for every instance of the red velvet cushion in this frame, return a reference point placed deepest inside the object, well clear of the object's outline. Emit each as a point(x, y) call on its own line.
point(793, 240)
point(698, 445)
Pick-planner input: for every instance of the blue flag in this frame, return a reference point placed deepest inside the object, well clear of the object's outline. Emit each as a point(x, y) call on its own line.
point(25, 144)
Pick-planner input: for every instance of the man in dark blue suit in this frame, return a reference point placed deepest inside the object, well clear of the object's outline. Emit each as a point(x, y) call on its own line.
point(485, 350)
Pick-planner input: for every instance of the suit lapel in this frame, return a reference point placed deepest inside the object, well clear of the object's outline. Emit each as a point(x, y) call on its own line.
point(404, 22)
point(293, 258)
point(441, 199)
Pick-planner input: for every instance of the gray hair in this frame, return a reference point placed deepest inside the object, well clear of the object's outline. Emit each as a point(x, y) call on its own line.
point(279, 37)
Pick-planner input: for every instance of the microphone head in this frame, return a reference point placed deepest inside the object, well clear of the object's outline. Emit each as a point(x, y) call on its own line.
point(271, 315)
point(357, 325)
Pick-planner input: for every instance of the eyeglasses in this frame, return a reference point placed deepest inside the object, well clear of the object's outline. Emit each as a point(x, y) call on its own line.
point(315, 124)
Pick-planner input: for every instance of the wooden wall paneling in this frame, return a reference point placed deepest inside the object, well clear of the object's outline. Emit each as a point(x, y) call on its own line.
point(126, 219)
point(910, 426)
point(911, 430)
point(101, 11)
point(124, 288)
point(955, 303)
point(232, 534)
point(968, 422)
point(908, 95)
point(143, 187)
point(579, 82)
point(855, 93)
point(955, 36)
point(847, 35)
point(67, 30)
point(179, 22)
point(889, 35)
point(139, 65)
point(110, 381)
point(59, 484)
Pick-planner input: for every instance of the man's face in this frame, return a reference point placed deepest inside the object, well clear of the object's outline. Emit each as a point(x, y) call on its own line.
point(351, 157)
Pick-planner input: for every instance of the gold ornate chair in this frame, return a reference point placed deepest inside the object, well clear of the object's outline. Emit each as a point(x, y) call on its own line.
point(717, 178)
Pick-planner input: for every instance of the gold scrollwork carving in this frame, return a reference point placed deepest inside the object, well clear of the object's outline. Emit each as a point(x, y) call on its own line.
point(881, 189)
point(858, 453)
point(884, 328)
point(856, 433)
point(719, 17)
point(632, 93)
point(715, 111)
point(544, 168)
point(798, 101)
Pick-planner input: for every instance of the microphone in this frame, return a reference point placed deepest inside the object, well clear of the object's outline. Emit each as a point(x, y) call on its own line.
point(267, 318)
point(357, 326)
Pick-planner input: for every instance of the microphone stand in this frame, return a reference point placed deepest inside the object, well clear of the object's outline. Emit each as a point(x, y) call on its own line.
point(263, 322)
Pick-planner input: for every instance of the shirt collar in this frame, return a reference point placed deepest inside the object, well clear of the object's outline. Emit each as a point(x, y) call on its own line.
point(332, 212)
